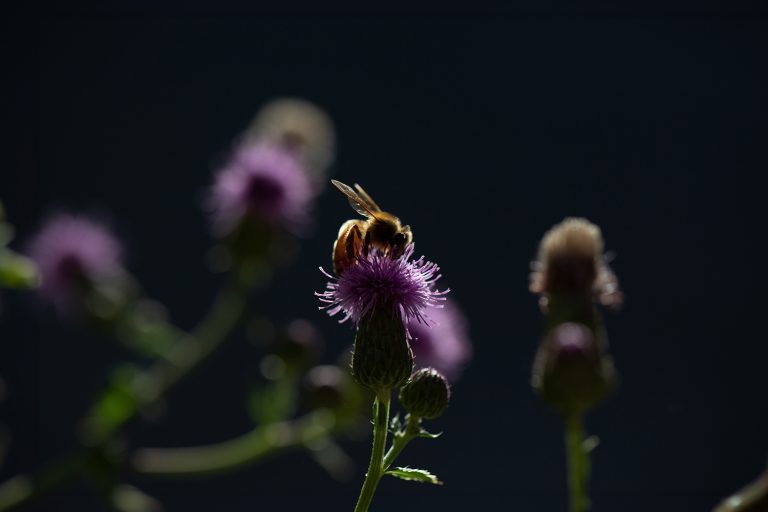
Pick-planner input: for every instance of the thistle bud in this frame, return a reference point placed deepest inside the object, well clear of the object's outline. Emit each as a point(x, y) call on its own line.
point(426, 394)
point(570, 372)
point(298, 345)
point(324, 387)
point(382, 358)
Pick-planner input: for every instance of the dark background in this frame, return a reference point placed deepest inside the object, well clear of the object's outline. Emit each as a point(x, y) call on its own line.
point(481, 132)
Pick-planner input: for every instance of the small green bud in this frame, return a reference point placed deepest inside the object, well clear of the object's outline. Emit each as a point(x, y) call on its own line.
point(382, 358)
point(426, 394)
point(570, 372)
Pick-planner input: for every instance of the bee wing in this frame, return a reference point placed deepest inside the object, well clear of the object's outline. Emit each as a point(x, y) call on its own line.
point(359, 204)
point(364, 195)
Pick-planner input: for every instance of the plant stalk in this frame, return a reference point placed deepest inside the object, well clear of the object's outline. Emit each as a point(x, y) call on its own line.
point(376, 466)
point(577, 463)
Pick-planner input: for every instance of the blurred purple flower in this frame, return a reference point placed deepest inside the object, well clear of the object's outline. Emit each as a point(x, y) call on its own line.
point(376, 280)
point(445, 345)
point(573, 343)
point(72, 250)
point(265, 182)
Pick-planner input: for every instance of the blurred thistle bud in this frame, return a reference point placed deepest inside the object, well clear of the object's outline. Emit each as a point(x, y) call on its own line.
point(298, 345)
point(383, 295)
point(80, 265)
point(752, 498)
point(301, 128)
point(571, 261)
point(571, 372)
point(426, 394)
point(331, 387)
point(443, 345)
point(324, 387)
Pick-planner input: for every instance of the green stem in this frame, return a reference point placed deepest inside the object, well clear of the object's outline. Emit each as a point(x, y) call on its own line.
point(577, 463)
point(376, 467)
point(23, 489)
point(151, 387)
point(190, 351)
point(256, 445)
point(401, 440)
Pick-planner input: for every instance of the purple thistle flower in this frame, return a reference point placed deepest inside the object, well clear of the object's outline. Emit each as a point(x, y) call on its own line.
point(445, 345)
point(71, 250)
point(264, 182)
point(377, 280)
point(573, 342)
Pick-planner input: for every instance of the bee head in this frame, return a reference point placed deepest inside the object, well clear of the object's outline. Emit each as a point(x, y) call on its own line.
point(401, 240)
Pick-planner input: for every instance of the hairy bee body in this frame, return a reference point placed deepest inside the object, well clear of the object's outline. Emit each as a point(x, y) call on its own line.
point(379, 231)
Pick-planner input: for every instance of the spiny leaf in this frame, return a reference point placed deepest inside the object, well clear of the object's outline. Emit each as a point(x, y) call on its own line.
point(590, 444)
point(395, 424)
point(429, 435)
point(415, 475)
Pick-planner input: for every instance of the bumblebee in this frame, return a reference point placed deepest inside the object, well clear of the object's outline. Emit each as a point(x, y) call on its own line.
point(379, 231)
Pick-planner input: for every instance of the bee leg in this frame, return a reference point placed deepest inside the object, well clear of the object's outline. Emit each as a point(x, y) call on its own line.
point(354, 242)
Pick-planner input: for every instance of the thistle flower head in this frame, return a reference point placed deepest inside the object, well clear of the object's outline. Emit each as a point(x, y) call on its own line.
point(444, 345)
point(263, 182)
point(401, 286)
point(70, 251)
